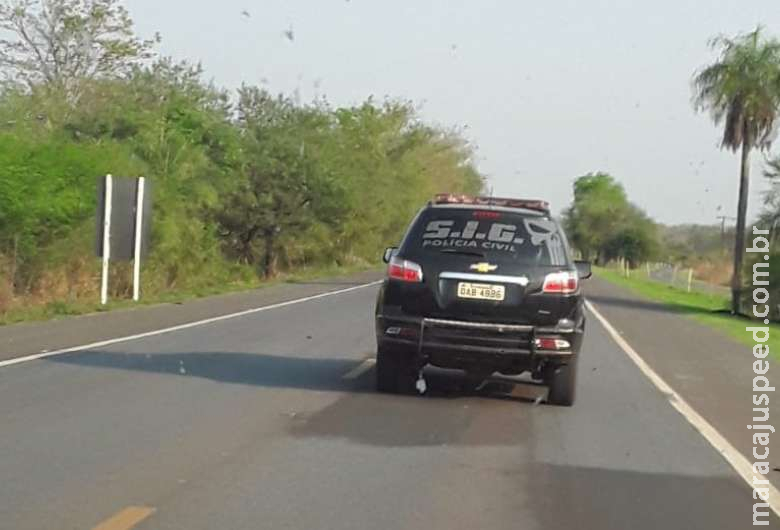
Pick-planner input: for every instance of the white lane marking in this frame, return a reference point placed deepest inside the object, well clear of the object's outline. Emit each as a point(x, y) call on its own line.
point(730, 453)
point(360, 369)
point(180, 327)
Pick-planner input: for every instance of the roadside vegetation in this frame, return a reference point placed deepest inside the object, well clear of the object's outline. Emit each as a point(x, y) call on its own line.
point(741, 91)
point(604, 226)
point(251, 187)
point(248, 186)
point(709, 309)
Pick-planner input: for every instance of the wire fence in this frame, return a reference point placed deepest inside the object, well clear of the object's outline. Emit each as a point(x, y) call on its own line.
point(683, 278)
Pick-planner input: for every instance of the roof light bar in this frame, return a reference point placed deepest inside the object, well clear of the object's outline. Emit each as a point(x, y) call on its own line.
point(529, 204)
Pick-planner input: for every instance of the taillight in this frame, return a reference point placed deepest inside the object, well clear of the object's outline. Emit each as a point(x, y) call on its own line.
point(404, 270)
point(561, 282)
point(551, 343)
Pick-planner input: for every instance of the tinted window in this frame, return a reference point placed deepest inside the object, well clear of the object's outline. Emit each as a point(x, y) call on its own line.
point(496, 235)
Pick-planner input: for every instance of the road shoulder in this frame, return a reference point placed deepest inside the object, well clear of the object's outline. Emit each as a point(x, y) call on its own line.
point(20, 340)
point(711, 371)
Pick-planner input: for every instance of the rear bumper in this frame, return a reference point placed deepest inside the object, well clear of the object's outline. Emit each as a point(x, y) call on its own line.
point(456, 343)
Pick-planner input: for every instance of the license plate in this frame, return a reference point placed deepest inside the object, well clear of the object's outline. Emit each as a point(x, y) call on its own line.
point(480, 291)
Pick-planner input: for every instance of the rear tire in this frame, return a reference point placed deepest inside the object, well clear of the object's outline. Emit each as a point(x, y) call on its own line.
point(562, 382)
point(394, 371)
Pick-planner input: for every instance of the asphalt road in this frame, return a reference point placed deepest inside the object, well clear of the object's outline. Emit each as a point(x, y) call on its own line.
point(269, 420)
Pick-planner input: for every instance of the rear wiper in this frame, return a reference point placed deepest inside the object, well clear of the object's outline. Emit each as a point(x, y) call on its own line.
point(464, 252)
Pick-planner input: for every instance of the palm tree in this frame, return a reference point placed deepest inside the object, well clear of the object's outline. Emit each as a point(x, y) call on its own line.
point(741, 90)
point(770, 216)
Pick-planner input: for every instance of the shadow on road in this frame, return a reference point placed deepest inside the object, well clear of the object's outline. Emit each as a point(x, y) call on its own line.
point(647, 305)
point(226, 367)
point(456, 410)
point(306, 373)
point(453, 413)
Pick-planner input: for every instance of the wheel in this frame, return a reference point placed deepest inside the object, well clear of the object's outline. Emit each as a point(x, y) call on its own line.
point(562, 382)
point(394, 371)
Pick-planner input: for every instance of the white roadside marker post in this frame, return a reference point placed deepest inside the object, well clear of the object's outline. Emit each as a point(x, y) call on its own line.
point(690, 279)
point(107, 197)
point(139, 216)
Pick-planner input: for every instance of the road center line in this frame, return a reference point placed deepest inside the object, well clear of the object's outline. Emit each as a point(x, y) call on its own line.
point(180, 327)
point(730, 453)
point(360, 369)
point(125, 519)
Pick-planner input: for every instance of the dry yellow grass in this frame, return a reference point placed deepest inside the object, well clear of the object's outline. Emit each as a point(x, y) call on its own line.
point(716, 271)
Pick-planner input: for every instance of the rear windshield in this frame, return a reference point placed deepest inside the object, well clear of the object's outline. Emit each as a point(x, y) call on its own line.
point(492, 234)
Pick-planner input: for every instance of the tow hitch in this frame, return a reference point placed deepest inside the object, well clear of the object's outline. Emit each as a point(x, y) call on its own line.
point(420, 385)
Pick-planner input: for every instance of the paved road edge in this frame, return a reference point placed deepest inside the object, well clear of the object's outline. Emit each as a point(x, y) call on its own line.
point(736, 460)
point(108, 342)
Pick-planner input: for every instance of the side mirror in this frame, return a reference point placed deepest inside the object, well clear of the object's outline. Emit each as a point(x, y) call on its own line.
point(389, 253)
point(583, 269)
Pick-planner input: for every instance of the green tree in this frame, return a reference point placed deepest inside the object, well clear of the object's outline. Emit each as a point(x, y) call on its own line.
point(283, 188)
point(391, 163)
point(603, 225)
point(741, 91)
point(260, 180)
point(636, 240)
point(599, 204)
point(175, 129)
point(182, 129)
point(61, 43)
point(47, 190)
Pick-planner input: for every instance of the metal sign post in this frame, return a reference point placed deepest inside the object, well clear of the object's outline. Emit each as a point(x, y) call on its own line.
point(139, 221)
point(106, 239)
point(124, 216)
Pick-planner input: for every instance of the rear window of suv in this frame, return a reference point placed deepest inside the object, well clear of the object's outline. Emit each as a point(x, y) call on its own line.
point(493, 234)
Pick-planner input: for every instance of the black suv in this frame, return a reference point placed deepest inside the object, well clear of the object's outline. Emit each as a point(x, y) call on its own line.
point(484, 285)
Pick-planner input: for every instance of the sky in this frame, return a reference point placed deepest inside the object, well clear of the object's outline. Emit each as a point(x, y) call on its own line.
point(546, 91)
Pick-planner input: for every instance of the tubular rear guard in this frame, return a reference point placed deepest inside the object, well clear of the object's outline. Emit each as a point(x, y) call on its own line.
point(428, 336)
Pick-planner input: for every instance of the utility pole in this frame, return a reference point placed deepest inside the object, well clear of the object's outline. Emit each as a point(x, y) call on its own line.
point(723, 219)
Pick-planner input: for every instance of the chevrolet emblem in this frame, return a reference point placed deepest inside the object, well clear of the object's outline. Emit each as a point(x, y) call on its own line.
point(483, 267)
